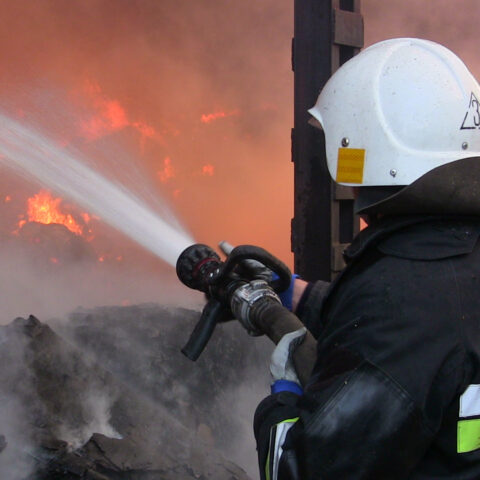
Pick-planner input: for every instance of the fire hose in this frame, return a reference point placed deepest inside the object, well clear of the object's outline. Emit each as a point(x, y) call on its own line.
point(200, 268)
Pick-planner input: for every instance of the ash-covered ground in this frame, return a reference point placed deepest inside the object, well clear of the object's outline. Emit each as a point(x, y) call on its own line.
point(106, 394)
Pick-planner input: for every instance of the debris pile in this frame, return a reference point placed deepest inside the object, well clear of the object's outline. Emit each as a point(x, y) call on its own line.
point(108, 395)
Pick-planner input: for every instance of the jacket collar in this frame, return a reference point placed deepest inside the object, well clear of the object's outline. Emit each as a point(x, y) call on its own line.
point(380, 230)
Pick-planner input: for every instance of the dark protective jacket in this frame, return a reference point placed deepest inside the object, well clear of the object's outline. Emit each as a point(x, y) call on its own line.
point(395, 392)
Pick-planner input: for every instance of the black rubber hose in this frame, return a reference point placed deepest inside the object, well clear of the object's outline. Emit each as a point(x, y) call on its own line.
point(275, 321)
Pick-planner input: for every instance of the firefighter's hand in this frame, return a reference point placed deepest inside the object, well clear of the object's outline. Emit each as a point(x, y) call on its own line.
point(283, 371)
point(245, 297)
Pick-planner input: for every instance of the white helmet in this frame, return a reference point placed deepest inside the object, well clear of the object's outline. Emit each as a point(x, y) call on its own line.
point(396, 111)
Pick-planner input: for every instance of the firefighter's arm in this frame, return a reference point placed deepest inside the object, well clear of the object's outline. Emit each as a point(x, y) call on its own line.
point(371, 408)
point(299, 287)
point(305, 300)
point(365, 413)
point(307, 303)
point(363, 425)
point(281, 411)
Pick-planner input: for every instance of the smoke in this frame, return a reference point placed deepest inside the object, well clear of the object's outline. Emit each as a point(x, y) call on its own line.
point(128, 84)
point(245, 398)
point(214, 398)
point(453, 24)
point(53, 398)
point(48, 291)
point(15, 386)
point(97, 406)
point(167, 64)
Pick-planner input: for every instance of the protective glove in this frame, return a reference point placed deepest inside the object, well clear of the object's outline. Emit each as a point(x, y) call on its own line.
point(254, 270)
point(249, 269)
point(283, 371)
point(243, 299)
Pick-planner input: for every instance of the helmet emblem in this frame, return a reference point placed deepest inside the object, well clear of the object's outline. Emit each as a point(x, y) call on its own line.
point(472, 117)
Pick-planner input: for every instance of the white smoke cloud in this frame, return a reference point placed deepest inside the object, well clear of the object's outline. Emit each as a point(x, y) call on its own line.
point(30, 285)
point(96, 416)
point(16, 461)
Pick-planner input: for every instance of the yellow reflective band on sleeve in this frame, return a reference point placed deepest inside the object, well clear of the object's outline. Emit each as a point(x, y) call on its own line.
point(468, 435)
point(267, 467)
point(289, 420)
point(277, 437)
point(350, 165)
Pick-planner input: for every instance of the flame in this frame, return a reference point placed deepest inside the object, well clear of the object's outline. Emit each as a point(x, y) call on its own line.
point(86, 217)
point(208, 170)
point(7, 199)
point(210, 117)
point(146, 131)
point(167, 172)
point(109, 258)
point(110, 117)
point(43, 208)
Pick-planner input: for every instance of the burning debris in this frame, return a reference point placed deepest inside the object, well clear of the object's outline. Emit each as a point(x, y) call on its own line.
point(53, 243)
point(118, 400)
point(43, 208)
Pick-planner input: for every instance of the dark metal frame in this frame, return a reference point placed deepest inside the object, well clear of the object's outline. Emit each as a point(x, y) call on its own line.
point(326, 34)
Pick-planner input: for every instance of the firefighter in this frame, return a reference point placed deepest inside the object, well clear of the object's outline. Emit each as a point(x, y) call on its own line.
point(395, 391)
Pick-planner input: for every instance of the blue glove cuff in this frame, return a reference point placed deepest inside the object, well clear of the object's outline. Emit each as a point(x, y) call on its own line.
point(286, 386)
point(287, 295)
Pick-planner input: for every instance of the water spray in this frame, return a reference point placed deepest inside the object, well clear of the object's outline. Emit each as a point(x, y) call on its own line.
point(36, 157)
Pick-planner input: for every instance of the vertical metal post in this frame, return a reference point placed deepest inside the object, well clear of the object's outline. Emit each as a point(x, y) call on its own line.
point(326, 34)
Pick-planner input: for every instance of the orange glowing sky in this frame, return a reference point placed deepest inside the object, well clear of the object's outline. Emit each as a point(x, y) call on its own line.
point(199, 94)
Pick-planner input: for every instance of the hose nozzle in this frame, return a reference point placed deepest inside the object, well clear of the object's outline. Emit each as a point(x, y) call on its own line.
point(196, 264)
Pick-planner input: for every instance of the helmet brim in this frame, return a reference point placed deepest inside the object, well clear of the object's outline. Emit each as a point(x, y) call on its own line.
point(452, 189)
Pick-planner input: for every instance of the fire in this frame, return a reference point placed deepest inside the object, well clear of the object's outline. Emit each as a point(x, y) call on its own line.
point(110, 117)
point(167, 172)
point(210, 117)
point(208, 170)
point(146, 131)
point(109, 257)
point(43, 208)
point(86, 217)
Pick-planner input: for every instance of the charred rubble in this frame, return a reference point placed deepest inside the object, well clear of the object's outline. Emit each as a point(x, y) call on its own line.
point(108, 395)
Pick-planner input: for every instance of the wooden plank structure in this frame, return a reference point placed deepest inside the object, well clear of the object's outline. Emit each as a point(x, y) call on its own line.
point(327, 33)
